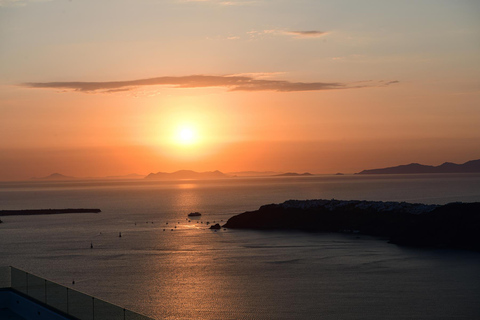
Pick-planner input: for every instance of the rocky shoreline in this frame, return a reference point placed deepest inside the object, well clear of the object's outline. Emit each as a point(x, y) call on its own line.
point(454, 225)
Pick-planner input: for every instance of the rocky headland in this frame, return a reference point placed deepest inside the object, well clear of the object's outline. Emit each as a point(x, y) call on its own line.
point(454, 225)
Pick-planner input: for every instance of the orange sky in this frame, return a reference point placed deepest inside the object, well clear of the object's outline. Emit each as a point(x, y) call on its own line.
point(90, 90)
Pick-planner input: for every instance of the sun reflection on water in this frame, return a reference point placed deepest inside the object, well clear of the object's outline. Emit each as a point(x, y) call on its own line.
point(194, 288)
point(185, 186)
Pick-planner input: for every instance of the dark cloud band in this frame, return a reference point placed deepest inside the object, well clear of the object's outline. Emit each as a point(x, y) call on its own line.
point(233, 83)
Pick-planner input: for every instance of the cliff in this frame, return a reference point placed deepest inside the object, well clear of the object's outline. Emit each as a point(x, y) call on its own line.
point(454, 225)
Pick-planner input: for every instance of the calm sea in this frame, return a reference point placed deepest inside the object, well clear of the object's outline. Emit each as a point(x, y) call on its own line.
point(195, 273)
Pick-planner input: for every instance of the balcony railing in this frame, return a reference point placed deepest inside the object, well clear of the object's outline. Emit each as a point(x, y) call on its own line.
point(66, 300)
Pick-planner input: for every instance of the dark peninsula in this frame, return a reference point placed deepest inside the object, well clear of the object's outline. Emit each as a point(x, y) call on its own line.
point(454, 225)
point(472, 166)
point(45, 211)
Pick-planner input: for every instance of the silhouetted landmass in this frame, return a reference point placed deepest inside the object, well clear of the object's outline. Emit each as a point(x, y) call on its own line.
point(55, 176)
point(128, 176)
point(45, 211)
point(293, 174)
point(59, 177)
point(472, 166)
point(187, 174)
point(253, 173)
point(454, 225)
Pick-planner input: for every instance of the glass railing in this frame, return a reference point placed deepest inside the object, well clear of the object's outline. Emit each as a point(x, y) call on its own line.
point(71, 302)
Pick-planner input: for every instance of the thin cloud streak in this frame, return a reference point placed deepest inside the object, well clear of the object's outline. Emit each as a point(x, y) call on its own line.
point(221, 2)
point(231, 82)
point(306, 34)
point(18, 3)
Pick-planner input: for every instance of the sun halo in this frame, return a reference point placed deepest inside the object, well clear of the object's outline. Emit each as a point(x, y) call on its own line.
point(186, 136)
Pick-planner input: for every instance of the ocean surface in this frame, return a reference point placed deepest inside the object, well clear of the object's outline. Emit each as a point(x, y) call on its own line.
point(190, 272)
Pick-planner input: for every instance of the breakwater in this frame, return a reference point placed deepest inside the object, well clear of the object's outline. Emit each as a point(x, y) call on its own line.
point(46, 211)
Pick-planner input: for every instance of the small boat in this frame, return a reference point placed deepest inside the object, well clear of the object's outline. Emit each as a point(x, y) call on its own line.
point(194, 214)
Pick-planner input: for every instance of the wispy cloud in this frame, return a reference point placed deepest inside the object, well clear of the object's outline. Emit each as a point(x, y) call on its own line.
point(222, 2)
point(387, 83)
point(231, 82)
point(306, 34)
point(18, 3)
point(296, 34)
point(12, 3)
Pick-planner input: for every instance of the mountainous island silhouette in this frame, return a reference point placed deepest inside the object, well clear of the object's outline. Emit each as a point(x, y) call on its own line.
point(190, 174)
point(472, 166)
point(55, 176)
point(59, 177)
point(293, 174)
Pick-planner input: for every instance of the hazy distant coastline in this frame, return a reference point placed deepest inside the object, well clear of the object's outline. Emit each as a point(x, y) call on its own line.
point(293, 174)
point(54, 176)
point(187, 174)
point(62, 177)
point(472, 166)
point(176, 175)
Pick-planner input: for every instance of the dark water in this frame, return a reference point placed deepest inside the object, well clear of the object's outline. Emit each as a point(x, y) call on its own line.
point(194, 273)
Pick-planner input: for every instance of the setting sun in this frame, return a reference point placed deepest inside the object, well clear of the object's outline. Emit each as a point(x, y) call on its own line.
point(186, 135)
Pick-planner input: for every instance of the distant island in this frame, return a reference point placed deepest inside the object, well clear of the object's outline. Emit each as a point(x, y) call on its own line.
point(55, 176)
point(132, 176)
point(253, 173)
point(45, 211)
point(454, 225)
point(193, 175)
point(472, 166)
point(60, 177)
point(293, 174)
point(187, 174)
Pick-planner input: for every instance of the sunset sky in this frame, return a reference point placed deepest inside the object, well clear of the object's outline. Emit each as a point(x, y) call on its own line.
point(96, 88)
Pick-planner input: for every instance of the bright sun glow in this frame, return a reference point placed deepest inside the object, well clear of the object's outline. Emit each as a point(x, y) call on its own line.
point(186, 135)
